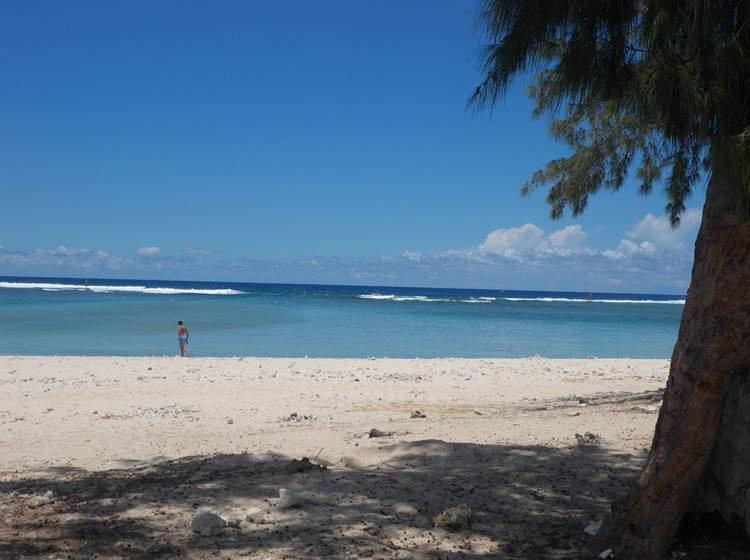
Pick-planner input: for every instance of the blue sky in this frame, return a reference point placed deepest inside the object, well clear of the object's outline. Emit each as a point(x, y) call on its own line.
point(291, 141)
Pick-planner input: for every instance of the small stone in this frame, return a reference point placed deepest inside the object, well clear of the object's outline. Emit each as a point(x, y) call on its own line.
point(230, 421)
point(38, 501)
point(417, 414)
point(405, 509)
point(233, 522)
point(207, 523)
point(455, 518)
point(606, 554)
point(254, 514)
point(288, 499)
point(378, 433)
point(592, 528)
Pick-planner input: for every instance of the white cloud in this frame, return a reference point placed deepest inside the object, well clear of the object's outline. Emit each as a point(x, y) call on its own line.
point(628, 248)
point(614, 255)
point(61, 258)
point(657, 230)
point(569, 237)
point(654, 236)
point(63, 251)
point(529, 241)
point(147, 251)
point(412, 256)
point(508, 242)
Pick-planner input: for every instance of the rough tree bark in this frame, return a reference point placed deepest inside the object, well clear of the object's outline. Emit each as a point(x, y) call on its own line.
point(725, 485)
point(699, 457)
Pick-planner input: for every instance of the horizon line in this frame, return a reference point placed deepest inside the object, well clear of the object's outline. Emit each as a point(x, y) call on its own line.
point(333, 284)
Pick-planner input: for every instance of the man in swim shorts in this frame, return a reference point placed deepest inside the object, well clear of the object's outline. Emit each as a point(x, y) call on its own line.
point(182, 338)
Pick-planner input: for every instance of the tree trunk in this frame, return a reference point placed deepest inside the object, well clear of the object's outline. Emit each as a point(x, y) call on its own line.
point(700, 455)
point(725, 486)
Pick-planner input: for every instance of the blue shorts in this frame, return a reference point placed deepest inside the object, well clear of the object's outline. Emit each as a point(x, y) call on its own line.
point(182, 340)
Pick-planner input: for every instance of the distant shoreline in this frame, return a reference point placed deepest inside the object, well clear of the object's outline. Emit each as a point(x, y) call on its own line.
point(176, 356)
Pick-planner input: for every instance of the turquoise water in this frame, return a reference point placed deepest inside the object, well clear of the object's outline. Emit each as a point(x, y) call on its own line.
point(122, 317)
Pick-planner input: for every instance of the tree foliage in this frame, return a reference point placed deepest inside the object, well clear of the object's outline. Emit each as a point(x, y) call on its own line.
point(662, 84)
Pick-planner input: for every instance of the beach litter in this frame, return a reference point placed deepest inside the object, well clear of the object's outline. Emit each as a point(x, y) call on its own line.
point(417, 414)
point(289, 499)
point(207, 523)
point(455, 518)
point(606, 554)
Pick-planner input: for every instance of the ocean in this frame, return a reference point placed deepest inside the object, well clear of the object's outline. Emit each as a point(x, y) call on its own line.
point(64, 316)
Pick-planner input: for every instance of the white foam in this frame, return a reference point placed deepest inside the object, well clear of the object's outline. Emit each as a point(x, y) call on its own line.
point(107, 289)
point(479, 300)
point(581, 300)
point(392, 297)
point(486, 299)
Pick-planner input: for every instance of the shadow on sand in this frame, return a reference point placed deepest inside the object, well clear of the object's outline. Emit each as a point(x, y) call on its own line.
point(528, 502)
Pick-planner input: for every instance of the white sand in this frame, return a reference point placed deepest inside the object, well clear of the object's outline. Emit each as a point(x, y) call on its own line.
point(131, 446)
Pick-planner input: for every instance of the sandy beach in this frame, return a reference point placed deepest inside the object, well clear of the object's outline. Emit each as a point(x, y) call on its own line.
point(131, 448)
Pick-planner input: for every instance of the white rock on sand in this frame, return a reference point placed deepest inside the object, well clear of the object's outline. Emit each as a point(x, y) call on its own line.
point(288, 499)
point(38, 501)
point(207, 523)
point(254, 514)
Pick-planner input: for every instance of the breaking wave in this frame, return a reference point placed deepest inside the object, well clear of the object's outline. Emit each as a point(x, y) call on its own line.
point(392, 297)
point(128, 289)
point(486, 299)
point(582, 300)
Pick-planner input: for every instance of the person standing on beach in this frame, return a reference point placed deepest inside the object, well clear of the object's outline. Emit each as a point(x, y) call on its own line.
point(182, 338)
